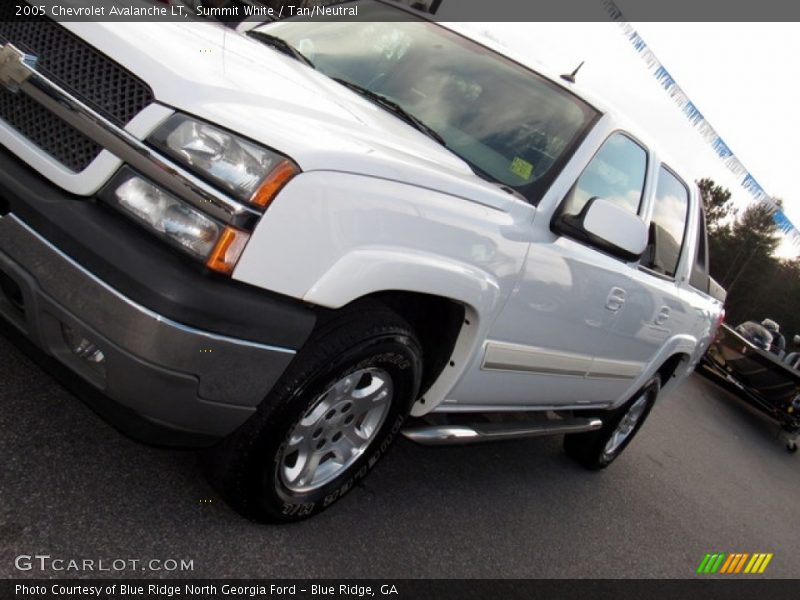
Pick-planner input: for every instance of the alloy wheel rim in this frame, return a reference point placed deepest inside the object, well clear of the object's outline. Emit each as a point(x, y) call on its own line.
point(625, 427)
point(336, 430)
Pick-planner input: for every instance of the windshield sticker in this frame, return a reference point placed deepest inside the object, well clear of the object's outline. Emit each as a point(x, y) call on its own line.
point(520, 166)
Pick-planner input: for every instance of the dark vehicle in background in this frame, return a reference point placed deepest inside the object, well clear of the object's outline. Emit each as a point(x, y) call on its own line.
point(750, 358)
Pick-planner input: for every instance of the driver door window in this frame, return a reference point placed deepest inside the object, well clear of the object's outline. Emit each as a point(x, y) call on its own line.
point(616, 173)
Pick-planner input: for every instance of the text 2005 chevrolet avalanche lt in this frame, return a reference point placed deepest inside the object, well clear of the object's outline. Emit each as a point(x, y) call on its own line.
point(279, 242)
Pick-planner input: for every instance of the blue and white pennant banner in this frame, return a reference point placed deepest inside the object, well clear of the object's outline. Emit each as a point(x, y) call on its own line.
point(699, 122)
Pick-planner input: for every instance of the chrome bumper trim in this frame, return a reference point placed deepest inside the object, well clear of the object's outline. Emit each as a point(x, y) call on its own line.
point(138, 308)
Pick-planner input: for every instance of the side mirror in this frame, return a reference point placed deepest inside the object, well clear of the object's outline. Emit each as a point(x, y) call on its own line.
point(607, 227)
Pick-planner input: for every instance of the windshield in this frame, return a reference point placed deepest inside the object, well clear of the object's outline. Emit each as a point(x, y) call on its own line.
point(511, 125)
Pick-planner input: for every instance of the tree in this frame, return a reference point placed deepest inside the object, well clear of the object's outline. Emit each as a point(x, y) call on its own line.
point(756, 235)
point(777, 298)
point(741, 248)
point(716, 201)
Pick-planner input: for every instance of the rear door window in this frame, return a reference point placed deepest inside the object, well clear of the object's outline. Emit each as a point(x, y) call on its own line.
point(668, 225)
point(699, 276)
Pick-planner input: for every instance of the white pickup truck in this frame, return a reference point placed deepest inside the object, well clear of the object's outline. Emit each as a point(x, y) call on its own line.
point(280, 241)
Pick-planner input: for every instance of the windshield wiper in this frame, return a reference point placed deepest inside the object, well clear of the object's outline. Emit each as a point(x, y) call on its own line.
point(394, 108)
point(281, 45)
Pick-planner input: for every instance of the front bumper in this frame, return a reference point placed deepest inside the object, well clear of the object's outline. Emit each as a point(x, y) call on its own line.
point(180, 347)
point(178, 377)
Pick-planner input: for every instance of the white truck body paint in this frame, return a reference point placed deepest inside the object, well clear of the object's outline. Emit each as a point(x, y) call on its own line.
point(303, 113)
point(425, 241)
point(381, 207)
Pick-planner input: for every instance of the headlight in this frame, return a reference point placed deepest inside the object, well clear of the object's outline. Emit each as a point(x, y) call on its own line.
point(176, 222)
point(248, 172)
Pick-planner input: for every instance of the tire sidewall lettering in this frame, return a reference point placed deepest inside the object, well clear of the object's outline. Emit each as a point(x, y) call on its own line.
point(300, 509)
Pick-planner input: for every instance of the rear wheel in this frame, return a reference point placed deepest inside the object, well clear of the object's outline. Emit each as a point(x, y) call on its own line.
point(598, 449)
point(328, 421)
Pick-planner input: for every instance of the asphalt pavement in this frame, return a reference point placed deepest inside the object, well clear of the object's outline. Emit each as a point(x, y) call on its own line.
point(706, 474)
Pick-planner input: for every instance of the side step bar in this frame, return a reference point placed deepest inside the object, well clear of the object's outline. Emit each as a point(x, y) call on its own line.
point(448, 435)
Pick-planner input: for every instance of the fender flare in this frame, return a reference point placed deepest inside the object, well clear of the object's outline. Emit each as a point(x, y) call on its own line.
point(372, 270)
point(679, 344)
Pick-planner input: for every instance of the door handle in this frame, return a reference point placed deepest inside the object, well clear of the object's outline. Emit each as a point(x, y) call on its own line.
point(662, 316)
point(616, 298)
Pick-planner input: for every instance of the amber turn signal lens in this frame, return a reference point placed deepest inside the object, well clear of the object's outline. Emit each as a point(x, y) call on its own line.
point(273, 183)
point(226, 252)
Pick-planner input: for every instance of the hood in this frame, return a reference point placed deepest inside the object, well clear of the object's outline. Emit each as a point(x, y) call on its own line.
point(218, 74)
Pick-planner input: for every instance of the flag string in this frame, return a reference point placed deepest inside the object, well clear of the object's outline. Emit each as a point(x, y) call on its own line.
point(701, 124)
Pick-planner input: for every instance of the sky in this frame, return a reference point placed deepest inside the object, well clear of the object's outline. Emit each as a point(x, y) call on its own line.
point(743, 77)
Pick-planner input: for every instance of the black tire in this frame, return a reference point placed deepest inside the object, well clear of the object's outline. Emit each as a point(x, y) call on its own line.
point(589, 448)
point(246, 467)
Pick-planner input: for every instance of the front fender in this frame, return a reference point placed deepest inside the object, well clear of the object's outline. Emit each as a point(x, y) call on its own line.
point(330, 238)
point(367, 271)
point(327, 225)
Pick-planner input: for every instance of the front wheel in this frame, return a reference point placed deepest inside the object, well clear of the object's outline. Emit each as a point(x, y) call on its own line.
point(329, 420)
point(598, 449)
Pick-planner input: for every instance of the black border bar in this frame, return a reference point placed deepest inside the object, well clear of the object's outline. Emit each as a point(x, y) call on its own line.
point(439, 10)
point(730, 588)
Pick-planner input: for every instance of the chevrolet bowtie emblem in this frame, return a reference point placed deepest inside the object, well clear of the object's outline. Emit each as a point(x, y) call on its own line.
point(15, 67)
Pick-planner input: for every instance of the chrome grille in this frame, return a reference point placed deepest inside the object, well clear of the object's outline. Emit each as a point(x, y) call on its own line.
point(80, 69)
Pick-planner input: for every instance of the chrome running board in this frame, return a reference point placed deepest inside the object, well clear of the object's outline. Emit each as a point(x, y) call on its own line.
point(447, 435)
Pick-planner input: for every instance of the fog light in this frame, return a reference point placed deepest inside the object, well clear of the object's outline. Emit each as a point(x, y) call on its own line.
point(176, 222)
point(168, 216)
point(83, 348)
